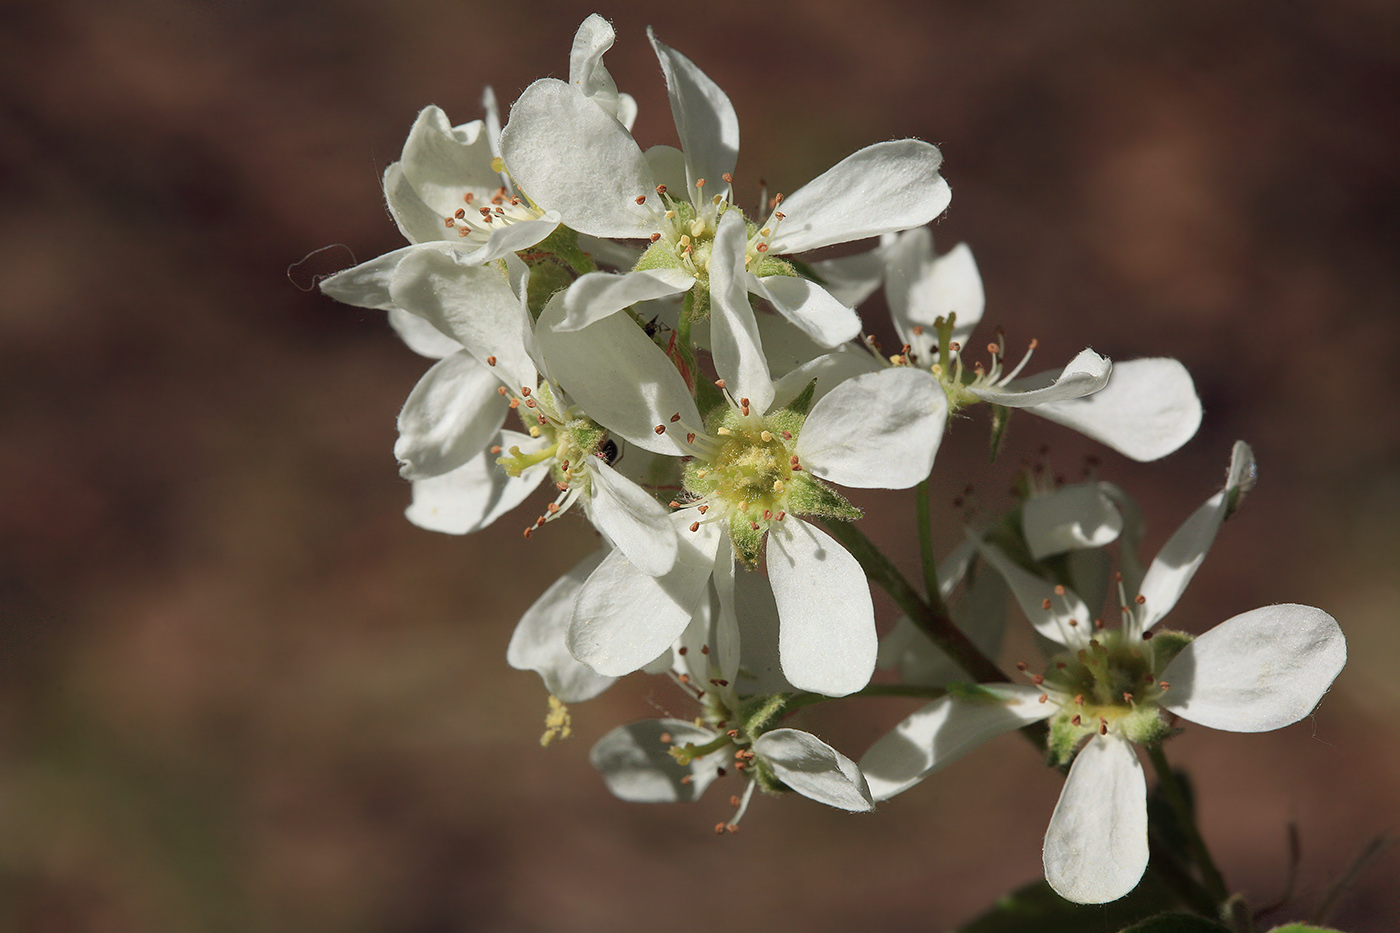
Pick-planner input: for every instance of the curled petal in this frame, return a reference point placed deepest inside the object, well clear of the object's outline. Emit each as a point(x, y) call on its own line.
point(1148, 409)
point(883, 188)
point(1258, 671)
point(814, 769)
point(1096, 846)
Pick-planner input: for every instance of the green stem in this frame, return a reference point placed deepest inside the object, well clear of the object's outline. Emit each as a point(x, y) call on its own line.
point(921, 514)
point(1195, 843)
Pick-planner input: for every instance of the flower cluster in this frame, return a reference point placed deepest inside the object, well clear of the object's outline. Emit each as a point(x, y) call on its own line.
point(607, 318)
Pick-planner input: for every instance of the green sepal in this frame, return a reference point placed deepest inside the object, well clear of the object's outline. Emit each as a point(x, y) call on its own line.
point(1001, 417)
point(746, 539)
point(1036, 907)
point(808, 495)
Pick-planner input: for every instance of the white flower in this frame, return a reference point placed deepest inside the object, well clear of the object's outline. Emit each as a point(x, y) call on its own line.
point(447, 190)
point(1144, 409)
point(669, 760)
point(754, 467)
point(571, 158)
point(1257, 671)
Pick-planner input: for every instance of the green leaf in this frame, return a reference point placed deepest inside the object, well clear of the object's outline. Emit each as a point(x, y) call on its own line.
point(1176, 923)
point(1036, 907)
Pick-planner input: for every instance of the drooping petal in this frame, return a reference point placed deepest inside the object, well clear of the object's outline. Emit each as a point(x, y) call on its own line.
point(1181, 556)
point(1096, 846)
point(1054, 611)
point(571, 156)
point(367, 285)
point(441, 163)
point(1070, 518)
point(877, 431)
point(475, 494)
point(636, 763)
point(883, 188)
point(705, 119)
point(449, 417)
point(734, 341)
point(944, 731)
point(921, 288)
point(632, 520)
point(827, 637)
point(476, 305)
point(538, 642)
point(1261, 670)
point(586, 70)
point(420, 336)
point(809, 306)
point(624, 617)
point(1086, 374)
point(596, 295)
point(814, 769)
point(1148, 409)
point(624, 381)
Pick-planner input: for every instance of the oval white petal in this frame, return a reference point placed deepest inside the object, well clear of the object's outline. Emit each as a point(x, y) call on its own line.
point(1148, 409)
point(883, 188)
point(624, 618)
point(814, 769)
point(623, 381)
point(826, 636)
point(1258, 671)
point(474, 495)
point(571, 156)
point(538, 641)
point(596, 295)
point(876, 431)
point(944, 731)
point(632, 520)
point(1096, 846)
point(449, 417)
point(636, 763)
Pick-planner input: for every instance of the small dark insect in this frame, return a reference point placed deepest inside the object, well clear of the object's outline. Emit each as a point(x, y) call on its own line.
point(608, 452)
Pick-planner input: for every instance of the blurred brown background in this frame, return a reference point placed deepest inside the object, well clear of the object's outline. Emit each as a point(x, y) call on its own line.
point(238, 691)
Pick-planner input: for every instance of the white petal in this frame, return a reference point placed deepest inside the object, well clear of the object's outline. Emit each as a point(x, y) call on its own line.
point(538, 642)
point(1086, 374)
point(827, 638)
point(877, 431)
point(1071, 517)
point(420, 336)
point(884, 188)
point(624, 617)
point(1148, 409)
point(1181, 556)
point(475, 304)
point(632, 520)
point(636, 764)
point(1096, 846)
point(705, 120)
point(474, 495)
point(442, 164)
point(586, 71)
point(624, 381)
point(944, 731)
point(571, 156)
point(367, 285)
point(922, 288)
point(814, 769)
point(734, 340)
point(1034, 593)
point(596, 295)
point(1258, 671)
point(450, 417)
point(809, 306)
